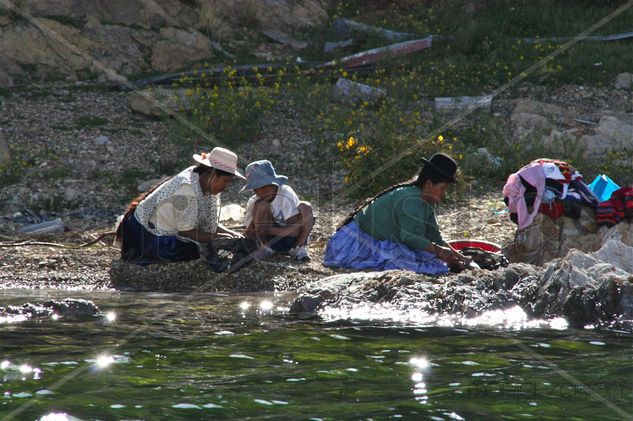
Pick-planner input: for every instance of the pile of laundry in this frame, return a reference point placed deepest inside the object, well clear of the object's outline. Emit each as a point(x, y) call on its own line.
point(616, 203)
point(547, 186)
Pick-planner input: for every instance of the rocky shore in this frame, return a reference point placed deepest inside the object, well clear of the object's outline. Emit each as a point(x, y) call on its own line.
point(82, 154)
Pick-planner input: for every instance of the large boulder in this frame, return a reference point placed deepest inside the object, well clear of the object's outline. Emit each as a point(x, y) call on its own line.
point(178, 47)
point(547, 239)
point(76, 38)
point(53, 52)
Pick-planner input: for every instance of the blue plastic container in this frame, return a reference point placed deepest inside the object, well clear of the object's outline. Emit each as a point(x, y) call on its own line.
point(602, 186)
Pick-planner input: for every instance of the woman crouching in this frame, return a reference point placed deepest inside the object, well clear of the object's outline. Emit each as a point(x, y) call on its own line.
point(167, 223)
point(397, 229)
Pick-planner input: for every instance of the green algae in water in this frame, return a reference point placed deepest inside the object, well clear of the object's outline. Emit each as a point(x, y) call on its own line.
point(207, 357)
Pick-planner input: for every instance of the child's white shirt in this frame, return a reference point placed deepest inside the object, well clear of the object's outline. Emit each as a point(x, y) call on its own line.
point(283, 207)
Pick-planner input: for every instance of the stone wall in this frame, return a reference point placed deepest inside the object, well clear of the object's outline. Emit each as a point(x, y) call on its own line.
point(76, 39)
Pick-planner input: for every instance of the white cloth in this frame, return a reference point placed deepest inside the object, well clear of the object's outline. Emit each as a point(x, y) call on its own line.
point(284, 206)
point(179, 205)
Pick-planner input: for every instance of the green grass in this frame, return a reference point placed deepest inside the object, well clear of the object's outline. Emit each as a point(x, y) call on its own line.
point(484, 53)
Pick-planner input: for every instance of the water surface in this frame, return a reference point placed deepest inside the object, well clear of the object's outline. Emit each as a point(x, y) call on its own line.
point(242, 356)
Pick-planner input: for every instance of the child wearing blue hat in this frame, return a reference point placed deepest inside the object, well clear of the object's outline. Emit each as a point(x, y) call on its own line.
point(275, 216)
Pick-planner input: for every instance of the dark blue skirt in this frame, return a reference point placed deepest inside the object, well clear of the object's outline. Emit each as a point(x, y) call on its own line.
point(142, 247)
point(351, 247)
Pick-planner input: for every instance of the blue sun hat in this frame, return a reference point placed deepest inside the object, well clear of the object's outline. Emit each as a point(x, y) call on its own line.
point(260, 174)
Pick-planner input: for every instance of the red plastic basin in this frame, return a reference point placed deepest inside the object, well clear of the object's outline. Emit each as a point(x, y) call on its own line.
point(480, 244)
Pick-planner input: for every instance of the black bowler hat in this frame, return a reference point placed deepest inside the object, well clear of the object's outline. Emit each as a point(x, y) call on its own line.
point(443, 165)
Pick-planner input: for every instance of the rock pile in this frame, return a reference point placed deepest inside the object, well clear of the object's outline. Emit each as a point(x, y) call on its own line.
point(546, 239)
point(596, 132)
point(583, 288)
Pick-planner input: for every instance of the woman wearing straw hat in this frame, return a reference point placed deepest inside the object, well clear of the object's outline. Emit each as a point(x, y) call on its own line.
point(397, 229)
point(166, 223)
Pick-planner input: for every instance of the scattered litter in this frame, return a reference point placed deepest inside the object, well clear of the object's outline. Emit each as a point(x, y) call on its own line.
point(614, 37)
point(381, 53)
point(330, 47)
point(345, 26)
point(586, 121)
point(103, 140)
point(285, 39)
point(463, 103)
point(56, 226)
point(347, 90)
point(233, 212)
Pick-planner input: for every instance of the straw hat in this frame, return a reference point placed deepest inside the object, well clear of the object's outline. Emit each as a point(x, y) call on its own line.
point(221, 159)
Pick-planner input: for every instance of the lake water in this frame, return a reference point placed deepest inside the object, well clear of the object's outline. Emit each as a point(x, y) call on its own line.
point(177, 356)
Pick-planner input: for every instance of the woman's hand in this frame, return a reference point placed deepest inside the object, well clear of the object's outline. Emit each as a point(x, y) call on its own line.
point(453, 258)
point(223, 232)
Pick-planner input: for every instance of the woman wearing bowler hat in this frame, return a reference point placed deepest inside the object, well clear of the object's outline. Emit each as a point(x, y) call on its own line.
point(397, 229)
point(167, 223)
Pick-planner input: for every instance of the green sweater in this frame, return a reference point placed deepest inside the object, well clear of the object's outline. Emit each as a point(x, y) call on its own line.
point(403, 216)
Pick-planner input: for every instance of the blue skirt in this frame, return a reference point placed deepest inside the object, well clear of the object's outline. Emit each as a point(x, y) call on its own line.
point(142, 247)
point(351, 247)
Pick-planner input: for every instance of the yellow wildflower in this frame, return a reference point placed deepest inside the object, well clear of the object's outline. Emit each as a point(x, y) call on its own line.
point(351, 142)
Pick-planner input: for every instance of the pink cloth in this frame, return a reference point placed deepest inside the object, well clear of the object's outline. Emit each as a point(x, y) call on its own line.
point(514, 190)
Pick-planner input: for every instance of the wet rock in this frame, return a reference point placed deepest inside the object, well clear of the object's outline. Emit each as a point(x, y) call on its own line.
point(306, 304)
point(583, 288)
point(69, 307)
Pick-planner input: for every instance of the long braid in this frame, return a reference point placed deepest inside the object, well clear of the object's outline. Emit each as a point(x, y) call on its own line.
point(426, 173)
point(415, 181)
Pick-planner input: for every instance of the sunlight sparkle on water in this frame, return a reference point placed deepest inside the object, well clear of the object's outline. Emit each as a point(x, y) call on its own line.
point(104, 361)
point(244, 305)
point(110, 316)
point(5, 364)
point(58, 416)
point(558, 323)
point(266, 305)
point(420, 363)
point(25, 369)
point(417, 377)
